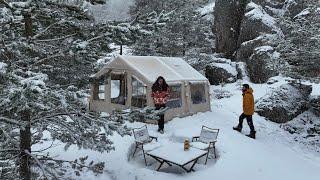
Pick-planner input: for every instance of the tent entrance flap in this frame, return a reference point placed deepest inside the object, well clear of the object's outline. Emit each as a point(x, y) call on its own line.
point(119, 91)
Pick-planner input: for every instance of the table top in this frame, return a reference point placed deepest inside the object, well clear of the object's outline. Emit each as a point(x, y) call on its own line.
point(174, 152)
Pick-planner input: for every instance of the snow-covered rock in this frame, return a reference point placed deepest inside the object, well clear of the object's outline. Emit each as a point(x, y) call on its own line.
point(246, 49)
point(255, 22)
point(262, 64)
point(221, 72)
point(199, 61)
point(305, 128)
point(285, 102)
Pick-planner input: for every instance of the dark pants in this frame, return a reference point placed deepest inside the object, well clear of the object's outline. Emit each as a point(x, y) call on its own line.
point(161, 120)
point(249, 121)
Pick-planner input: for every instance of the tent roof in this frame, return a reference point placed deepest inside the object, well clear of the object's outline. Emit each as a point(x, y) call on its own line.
point(171, 68)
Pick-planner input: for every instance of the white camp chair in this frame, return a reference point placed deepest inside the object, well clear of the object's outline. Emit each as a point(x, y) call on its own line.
point(206, 140)
point(144, 141)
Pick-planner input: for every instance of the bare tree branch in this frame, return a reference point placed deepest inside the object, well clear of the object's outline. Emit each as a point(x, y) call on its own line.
point(56, 39)
point(12, 121)
point(39, 163)
point(46, 29)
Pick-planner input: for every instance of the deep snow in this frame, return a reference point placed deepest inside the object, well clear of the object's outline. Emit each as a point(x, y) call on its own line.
point(273, 155)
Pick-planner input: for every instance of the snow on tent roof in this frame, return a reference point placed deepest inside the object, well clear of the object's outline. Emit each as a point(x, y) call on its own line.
point(171, 68)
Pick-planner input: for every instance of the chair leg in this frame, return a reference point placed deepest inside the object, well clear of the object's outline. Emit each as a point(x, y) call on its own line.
point(144, 156)
point(214, 151)
point(207, 156)
point(135, 150)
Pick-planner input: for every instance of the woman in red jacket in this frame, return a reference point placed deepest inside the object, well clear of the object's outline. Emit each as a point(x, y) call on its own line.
point(160, 94)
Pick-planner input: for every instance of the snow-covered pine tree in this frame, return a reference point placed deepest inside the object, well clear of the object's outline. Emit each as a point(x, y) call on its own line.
point(185, 31)
point(47, 52)
point(32, 113)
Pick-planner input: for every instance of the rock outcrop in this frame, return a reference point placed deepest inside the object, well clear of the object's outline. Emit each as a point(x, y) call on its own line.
point(228, 17)
point(285, 102)
point(262, 64)
point(223, 71)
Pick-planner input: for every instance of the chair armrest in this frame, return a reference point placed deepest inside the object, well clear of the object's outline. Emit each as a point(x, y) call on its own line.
point(195, 138)
point(153, 138)
point(213, 142)
point(138, 142)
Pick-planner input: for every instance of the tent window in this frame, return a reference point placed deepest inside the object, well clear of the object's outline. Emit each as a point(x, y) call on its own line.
point(101, 88)
point(175, 100)
point(115, 88)
point(198, 93)
point(118, 89)
point(139, 94)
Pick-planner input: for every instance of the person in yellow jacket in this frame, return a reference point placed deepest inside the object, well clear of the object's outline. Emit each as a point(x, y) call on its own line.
point(248, 110)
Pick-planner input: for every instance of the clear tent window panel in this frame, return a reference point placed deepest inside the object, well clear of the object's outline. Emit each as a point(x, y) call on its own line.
point(198, 93)
point(115, 88)
point(175, 100)
point(139, 93)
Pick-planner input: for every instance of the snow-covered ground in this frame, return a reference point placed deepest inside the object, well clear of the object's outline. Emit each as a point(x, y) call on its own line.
point(273, 155)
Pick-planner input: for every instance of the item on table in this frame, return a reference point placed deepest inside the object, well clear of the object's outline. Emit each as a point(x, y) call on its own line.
point(186, 144)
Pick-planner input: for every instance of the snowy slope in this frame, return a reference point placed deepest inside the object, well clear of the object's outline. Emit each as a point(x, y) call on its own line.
point(273, 155)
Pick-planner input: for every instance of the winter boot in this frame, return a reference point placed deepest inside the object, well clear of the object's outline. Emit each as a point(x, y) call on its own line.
point(237, 128)
point(252, 134)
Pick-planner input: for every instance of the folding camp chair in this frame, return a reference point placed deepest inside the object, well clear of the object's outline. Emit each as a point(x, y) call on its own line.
point(144, 141)
point(206, 140)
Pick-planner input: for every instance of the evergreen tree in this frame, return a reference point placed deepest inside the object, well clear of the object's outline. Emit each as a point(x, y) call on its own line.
point(185, 31)
point(48, 51)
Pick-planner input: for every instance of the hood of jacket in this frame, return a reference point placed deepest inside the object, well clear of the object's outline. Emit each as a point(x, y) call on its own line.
point(247, 91)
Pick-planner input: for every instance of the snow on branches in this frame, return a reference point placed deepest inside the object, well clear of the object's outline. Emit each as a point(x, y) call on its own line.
point(47, 52)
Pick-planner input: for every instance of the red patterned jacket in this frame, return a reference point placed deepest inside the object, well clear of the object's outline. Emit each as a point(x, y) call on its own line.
point(160, 97)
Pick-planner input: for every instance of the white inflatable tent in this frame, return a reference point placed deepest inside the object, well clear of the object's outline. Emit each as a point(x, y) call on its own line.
point(126, 81)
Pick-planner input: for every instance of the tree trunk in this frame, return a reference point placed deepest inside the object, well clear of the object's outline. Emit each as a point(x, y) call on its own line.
point(120, 49)
point(227, 21)
point(25, 145)
point(27, 24)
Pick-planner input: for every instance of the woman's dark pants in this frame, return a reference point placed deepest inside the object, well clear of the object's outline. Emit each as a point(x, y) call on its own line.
point(161, 120)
